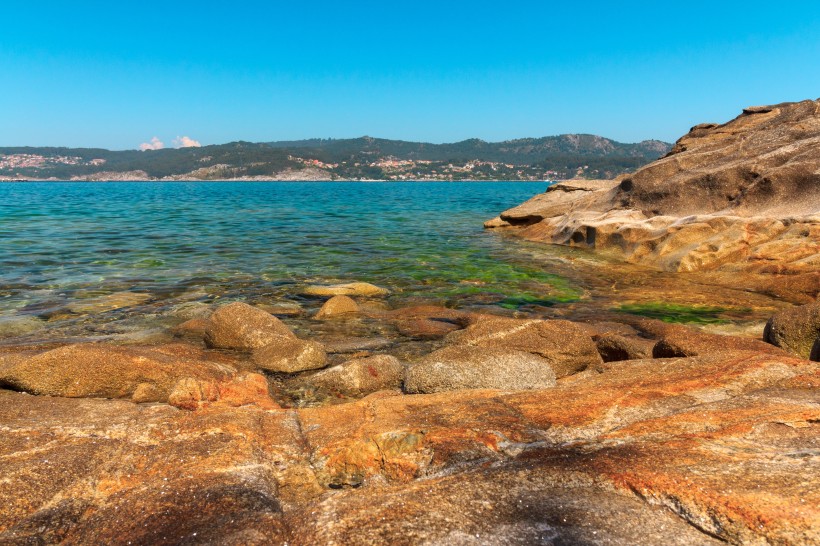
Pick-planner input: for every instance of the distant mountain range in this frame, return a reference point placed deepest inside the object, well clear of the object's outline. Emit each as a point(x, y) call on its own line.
point(555, 157)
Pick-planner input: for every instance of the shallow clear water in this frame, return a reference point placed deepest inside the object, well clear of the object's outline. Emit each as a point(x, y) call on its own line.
point(127, 260)
point(62, 242)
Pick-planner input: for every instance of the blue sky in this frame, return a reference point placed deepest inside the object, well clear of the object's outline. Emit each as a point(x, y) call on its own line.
point(116, 74)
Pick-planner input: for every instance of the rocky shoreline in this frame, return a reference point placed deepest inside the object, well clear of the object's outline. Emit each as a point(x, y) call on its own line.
point(508, 431)
point(740, 199)
point(250, 427)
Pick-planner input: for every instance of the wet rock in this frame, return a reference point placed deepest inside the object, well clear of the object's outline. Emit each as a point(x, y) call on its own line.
point(566, 347)
point(242, 327)
point(613, 347)
point(337, 306)
point(290, 355)
point(355, 344)
point(95, 370)
point(469, 367)
point(427, 321)
point(191, 310)
point(195, 328)
point(282, 309)
point(797, 330)
point(110, 302)
point(349, 289)
point(358, 377)
point(19, 326)
point(496, 222)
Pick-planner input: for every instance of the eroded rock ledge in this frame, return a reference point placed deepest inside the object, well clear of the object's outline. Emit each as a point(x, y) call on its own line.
point(740, 197)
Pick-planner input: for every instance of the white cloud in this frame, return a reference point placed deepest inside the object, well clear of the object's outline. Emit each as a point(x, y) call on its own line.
point(155, 144)
point(186, 142)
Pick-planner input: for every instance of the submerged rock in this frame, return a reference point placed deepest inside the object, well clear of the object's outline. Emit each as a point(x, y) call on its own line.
point(19, 326)
point(110, 302)
point(796, 330)
point(349, 289)
point(337, 306)
point(467, 367)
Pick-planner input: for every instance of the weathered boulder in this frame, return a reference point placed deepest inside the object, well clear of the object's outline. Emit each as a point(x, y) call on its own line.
point(242, 327)
point(564, 345)
point(469, 367)
point(358, 377)
point(348, 289)
point(797, 330)
point(145, 374)
point(290, 355)
point(337, 306)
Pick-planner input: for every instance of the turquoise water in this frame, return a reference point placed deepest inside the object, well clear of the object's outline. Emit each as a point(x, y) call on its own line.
point(62, 242)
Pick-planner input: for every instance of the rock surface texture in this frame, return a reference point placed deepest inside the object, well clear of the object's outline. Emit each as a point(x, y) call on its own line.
point(739, 197)
point(719, 447)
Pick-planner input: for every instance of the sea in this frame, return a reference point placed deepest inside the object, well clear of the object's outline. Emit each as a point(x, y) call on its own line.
point(71, 253)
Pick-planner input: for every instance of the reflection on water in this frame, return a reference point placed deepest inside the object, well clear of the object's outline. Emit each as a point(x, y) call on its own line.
point(86, 259)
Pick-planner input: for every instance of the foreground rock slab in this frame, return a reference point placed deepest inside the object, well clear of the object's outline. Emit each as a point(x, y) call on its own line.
point(685, 450)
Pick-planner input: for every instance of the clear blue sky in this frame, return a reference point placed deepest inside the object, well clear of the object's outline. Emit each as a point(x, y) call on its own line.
point(114, 74)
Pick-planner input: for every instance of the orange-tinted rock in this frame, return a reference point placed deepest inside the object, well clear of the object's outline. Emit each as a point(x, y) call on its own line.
point(242, 390)
point(96, 370)
point(358, 377)
point(242, 327)
point(337, 306)
point(659, 451)
point(566, 347)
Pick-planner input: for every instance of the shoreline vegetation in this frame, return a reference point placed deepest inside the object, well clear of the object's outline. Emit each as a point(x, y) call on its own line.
point(378, 420)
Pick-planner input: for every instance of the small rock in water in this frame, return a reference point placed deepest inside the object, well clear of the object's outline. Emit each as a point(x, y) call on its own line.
point(242, 327)
point(337, 306)
point(290, 355)
point(349, 289)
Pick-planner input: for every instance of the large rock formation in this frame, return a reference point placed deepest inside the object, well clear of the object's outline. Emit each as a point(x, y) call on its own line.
point(742, 197)
point(705, 449)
